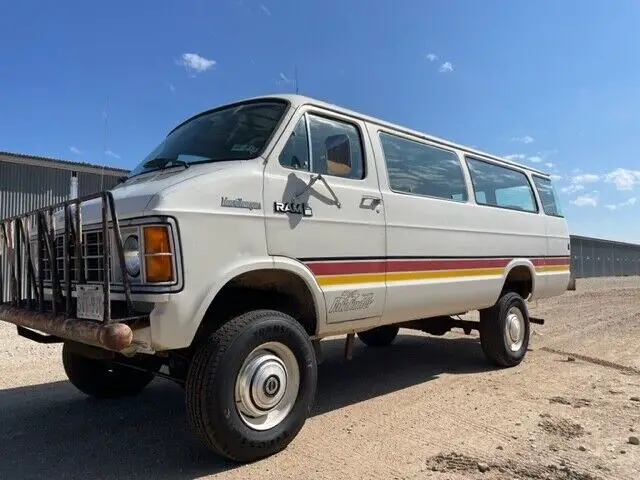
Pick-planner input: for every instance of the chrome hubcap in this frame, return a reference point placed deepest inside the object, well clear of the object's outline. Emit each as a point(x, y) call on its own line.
point(267, 386)
point(514, 329)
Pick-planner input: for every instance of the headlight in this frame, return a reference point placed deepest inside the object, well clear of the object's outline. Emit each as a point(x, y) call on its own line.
point(132, 255)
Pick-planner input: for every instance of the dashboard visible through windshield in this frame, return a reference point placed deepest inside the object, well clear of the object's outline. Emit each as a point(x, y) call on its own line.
point(237, 132)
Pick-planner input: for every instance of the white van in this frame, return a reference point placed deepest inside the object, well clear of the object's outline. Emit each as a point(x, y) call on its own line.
point(260, 227)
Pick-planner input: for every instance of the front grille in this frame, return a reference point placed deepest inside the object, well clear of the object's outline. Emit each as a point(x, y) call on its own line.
point(92, 256)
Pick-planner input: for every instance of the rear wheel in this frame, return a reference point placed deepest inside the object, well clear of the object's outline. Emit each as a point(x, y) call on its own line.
point(379, 336)
point(251, 385)
point(102, 379)
point(504, 331)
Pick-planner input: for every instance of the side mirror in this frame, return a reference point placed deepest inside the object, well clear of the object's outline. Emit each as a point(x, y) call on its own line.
point(338, 154)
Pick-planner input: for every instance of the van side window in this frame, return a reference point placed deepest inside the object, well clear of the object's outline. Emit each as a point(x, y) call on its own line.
point(550, 203)
point(336, 148)
point(422, 169)
point(295, 153)
point(500, 186)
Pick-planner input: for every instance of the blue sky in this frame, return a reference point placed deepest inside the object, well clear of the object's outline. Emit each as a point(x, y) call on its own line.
point(554, 84)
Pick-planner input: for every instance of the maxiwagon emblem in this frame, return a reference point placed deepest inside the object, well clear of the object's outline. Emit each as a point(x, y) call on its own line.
point(240, 203)
point(295, 208)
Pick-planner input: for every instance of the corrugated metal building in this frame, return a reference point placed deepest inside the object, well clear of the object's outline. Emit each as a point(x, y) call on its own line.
point(29, 182)
point(596, 257)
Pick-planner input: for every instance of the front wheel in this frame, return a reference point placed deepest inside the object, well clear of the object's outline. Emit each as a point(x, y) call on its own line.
point(504, 331)
point(101, 378)
point(251, 385)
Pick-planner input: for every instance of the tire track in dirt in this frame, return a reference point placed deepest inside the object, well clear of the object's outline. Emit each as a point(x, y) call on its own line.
point(594, 361)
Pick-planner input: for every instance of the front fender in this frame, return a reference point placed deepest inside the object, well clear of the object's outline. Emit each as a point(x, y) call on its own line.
point(247, 265)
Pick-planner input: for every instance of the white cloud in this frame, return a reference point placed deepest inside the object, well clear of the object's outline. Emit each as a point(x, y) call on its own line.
point(432, 57)
point(111, 153)
point(572, 189)
point(576, 170)
point(515, 156)
point(546, 153)
point(195, 63)
point(171, 87)
point(265, 10)
point(623, 179)
point(586, 201)
point(75, 150)
point(446, 67)
point(285, 78)
point(550, 164)
point(526, 139)
point(585, 178)
point(555, 178)
point(535, 159)
point(627, 203)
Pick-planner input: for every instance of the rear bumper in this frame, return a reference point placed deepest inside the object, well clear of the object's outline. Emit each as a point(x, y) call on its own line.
point(115, 336)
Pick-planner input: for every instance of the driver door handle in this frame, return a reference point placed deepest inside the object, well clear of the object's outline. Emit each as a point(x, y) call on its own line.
point(370, 201)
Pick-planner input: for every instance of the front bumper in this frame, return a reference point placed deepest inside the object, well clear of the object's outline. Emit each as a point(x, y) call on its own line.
point(115, 336)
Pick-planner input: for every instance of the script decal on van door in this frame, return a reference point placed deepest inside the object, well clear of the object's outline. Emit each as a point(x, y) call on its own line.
point(352, 300)
point(295, 208)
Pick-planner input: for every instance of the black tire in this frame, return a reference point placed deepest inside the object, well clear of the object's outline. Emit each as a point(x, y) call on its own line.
point(379, 336)
point(493, 331)
point(211, 382)
point(101, 379)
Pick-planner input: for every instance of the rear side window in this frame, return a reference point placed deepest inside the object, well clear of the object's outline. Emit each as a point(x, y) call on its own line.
point(500, 186)
point(550, 202)
point(422, 169)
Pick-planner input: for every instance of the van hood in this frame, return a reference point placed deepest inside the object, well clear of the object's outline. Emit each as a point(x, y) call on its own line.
point(132, 197)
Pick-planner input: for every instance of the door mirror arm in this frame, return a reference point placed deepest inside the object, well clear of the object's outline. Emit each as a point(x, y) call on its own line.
point(326, 184)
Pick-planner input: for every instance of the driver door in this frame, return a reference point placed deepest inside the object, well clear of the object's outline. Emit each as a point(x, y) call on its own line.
point(323, 207)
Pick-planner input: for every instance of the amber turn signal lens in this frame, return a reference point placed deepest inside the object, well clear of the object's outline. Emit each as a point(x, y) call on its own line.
point(159, 268)
point(156, 240)
point(158, 259)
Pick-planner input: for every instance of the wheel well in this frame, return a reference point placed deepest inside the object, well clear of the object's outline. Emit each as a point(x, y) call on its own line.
point(519, 280)
point(273, 289)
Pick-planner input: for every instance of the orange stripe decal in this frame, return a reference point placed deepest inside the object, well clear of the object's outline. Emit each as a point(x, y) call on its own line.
point(344, 272)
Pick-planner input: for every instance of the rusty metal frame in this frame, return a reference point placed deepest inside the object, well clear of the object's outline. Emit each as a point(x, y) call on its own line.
point(26, 305)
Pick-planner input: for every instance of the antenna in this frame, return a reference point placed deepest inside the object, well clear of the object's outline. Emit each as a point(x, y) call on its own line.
point(104, 142)
point(296, 80)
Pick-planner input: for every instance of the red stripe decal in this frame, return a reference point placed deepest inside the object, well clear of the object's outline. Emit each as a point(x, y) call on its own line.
point(337, 267)
point(345, 268)
point(557, 261)
point(429, 265)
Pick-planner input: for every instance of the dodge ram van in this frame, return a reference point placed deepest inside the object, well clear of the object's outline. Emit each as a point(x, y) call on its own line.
point(258, 228)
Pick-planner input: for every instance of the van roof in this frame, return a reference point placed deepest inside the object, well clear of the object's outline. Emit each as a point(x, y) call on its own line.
point(297, 100)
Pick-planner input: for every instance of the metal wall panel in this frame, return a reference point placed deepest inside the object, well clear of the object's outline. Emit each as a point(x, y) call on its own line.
point(592, 257)
point(25, 187)
point(90, 183)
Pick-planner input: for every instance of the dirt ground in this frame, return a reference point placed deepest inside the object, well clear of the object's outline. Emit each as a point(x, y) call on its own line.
point(425, 407)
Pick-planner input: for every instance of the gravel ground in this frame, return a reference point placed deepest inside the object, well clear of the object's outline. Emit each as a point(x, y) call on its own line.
point(425, 407)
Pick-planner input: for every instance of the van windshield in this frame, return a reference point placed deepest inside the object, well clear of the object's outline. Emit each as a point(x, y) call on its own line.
point(238, 132)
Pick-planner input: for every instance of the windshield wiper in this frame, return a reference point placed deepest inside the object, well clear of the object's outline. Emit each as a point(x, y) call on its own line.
point(162, 163)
